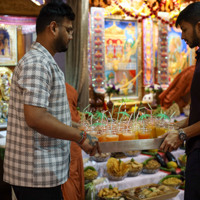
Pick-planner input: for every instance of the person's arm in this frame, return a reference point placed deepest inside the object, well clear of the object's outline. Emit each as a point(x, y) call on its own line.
point(75, 124)
point(171, 138)
point(43, 122)
point(193, 130)
point(183, 123)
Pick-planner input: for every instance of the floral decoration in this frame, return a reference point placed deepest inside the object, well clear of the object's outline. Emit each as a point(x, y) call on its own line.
point(153, 88)
point(112, 89)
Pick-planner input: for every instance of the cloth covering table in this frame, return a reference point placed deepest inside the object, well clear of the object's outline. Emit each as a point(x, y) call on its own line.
point(129, 182)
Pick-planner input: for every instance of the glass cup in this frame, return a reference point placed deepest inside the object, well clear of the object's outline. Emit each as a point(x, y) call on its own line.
point(127, 134)
point(161, 129)
point(144, 133)
point(101, 134)
point(112, 137)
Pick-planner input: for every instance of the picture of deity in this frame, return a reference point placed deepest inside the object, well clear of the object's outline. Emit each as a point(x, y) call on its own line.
point(121, 44)
point(119, 49)
point(8, 45)
point(4, 42)
point(110, 49)
point(177, 53)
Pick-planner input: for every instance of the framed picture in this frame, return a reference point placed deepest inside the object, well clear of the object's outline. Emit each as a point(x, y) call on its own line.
point(8, 45)
point(122, 56)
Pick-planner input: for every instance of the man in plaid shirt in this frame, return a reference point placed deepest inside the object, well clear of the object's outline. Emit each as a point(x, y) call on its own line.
point(39, 131)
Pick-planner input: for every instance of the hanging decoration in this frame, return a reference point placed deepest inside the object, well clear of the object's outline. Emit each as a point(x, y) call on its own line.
point(152, 10)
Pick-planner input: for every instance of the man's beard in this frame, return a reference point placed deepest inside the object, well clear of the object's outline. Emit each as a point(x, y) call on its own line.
point(195, 40)
point(60, 45)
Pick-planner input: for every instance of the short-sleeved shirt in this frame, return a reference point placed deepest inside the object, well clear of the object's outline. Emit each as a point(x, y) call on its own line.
point(194, 142)
point(33, 159)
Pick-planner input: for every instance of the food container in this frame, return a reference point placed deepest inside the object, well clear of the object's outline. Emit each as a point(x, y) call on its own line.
point(116, 178)
point(109, 194)
point(134, 173)
point(172, 181)
point(132, 153)
point(135, 168)
point(151, 166)
point(90, 174)
point(182, 159)
point(150, 171)
point(129, 194)
point(100, 157)
point(110, 198)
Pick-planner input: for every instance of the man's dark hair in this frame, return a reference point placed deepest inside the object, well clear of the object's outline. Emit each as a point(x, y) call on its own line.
point(53, 12)
point(190, 14)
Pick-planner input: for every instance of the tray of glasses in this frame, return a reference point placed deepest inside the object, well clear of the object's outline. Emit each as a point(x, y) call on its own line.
point(130, 145)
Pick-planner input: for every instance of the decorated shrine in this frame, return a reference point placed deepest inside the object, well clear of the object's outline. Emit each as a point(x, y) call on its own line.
point(134, 45)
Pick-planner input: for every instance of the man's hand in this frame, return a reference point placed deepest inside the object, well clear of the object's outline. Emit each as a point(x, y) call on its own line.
point(171, 141)
point(182, 124)
point(91, 145)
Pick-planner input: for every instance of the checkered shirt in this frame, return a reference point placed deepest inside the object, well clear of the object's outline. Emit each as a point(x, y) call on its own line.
point(32, 159)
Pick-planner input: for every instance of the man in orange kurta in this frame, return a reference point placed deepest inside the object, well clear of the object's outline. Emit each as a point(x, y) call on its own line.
point(73, 189)
point(178, 90)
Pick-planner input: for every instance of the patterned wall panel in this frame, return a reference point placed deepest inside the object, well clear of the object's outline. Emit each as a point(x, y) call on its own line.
point(148, 75)
point(97, 49)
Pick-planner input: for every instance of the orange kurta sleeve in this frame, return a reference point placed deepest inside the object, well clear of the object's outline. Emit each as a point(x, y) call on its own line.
point(73, 189)
point(179, 87)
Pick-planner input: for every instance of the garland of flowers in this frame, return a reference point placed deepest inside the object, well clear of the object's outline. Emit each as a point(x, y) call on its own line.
point(153, 12)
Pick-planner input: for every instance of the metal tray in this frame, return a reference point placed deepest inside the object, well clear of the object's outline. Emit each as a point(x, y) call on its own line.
point(130, 145)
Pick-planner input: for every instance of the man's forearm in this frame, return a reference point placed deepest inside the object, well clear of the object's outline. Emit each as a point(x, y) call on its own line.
point(45, 123)
point(183, 123)
point(193, 130)
point(75, 124)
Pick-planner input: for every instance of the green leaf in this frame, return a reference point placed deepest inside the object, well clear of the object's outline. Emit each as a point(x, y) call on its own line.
point(162, 116)
point(100, 115)
point(149, 153)
point(110, 187)
point(89, 113)
point(132, 160)
point(145, 116)
point(146, 161)
point(89, 167)
point(124, 113)
point(167, 169)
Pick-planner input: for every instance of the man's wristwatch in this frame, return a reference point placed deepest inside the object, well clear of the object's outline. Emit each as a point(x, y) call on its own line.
point(182, 135)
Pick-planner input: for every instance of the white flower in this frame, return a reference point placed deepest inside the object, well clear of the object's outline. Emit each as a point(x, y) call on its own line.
point(156, 86)
point(110, 85)
point(116, 87)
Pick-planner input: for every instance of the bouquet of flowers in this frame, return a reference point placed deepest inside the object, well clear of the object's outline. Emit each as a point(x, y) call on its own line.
point(153, 88)
point(111, 89)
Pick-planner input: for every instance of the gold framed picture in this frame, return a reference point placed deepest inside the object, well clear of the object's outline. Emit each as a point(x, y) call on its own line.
point(8, 45)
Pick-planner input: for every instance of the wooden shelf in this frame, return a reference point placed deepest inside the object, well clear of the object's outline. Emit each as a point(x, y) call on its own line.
point(132, 103)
